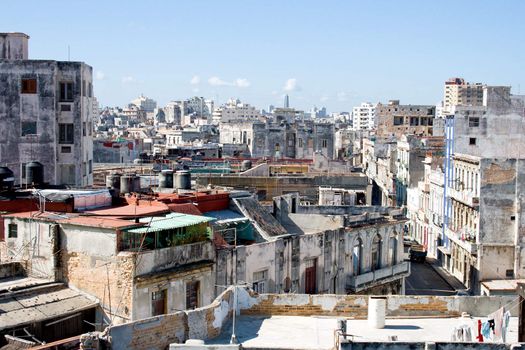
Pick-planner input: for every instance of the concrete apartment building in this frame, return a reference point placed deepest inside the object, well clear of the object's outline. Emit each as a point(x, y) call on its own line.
point(364, 116)
point(145, 103)
point(460, 93)
point(468, 209)
point(45, 115)
point(235, 110)
point(298, 140)
point(394, 119)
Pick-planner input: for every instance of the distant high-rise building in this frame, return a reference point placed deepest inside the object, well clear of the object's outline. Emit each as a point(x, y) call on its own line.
point(145, 103)
point(460, 93)
point(286, 101)
point(364, 116)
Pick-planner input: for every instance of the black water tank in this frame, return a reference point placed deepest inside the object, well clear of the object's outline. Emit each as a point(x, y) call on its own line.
point(7, 178)
point(34, 173)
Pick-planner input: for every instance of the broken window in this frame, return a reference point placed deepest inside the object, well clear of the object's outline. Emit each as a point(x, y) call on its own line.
point(192, 294)
point(66, 92)
point(65, 133)
point(159, 303)
point(12, 231)
point(28, 86)
point(259, 281)
point(28, 128)
point(376, 253)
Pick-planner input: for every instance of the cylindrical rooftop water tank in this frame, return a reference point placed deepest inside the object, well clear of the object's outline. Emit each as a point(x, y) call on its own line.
point(183, 180)
point(166, 178)
point(7, 178)
point(246, 165)
point(34, 173)
point(126, 184)
point(113, 181)
point(376, 311)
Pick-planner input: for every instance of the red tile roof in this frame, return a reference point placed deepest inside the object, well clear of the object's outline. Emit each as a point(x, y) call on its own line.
point(128, 211)
point(184, 208)
point(93, 221)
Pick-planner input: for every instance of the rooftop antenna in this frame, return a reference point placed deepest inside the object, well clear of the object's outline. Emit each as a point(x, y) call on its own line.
point(68, 53)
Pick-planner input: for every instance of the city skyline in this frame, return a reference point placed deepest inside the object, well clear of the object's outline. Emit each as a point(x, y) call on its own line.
point(331, 54)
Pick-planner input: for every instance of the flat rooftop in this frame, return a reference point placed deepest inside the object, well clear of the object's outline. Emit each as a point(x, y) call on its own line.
point(317, 332)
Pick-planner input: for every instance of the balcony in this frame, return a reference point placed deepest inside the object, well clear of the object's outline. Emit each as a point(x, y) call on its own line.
point(466, 197)
point(464, 238)
point(381, 276)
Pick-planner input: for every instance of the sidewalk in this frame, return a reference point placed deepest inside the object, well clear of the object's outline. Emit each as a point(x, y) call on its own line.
point(452, 281)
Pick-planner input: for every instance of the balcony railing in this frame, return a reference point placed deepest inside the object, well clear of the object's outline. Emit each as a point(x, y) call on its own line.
point(464, 238)
point(464, 196)
point(373, 278)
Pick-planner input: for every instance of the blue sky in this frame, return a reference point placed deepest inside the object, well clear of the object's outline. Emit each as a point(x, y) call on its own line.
point(323, 53)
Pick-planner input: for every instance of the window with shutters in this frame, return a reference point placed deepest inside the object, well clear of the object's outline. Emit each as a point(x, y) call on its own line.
point(12, 231)
point(66, 92)
point(159, 302)
point(28, 86)
point(192, 294)
point(65, 133)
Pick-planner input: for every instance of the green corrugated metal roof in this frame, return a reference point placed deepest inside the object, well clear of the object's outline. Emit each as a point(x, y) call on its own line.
point(170, 221)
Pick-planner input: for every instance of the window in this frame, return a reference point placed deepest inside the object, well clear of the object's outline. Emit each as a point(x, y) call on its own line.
point(357, 253)
point(65, 149)
point(90, 166)
point(392, 250)
point(376, 253)
point(83, 128)
point(192, 294)
point(65, 133)
point(324, 143)
point(472, 141)
point(28, 128)
point(29, 86)
point(473, 122)
point(65, 108)
point(398, 120)
point(90, 90)
point(12, 231)
point(300, 142)
point(158, 303)
point(84, 88)
point(259, 281)
point(66, 91)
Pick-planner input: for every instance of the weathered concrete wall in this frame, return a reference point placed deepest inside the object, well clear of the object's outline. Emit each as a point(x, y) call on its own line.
point(269, 187)
point(35, 245)
point(13, 46)
point(425, 346)
point(45, 108)
point(207, 322)
point(12, 269)
point(160, 331)
point(162, 259)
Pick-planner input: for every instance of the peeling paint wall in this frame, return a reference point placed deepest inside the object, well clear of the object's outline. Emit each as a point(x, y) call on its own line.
point(66, 163)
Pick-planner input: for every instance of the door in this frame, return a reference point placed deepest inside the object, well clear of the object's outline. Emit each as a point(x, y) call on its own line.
point(310, 277)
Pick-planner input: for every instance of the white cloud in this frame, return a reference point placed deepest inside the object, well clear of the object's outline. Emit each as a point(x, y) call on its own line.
point(239, 82)
point(291, 85)
point(216, 81)
point(342, 96)
point(127, 79)
point(195, 80)
point(242, 82)
point(324, 98)
point(99, 75)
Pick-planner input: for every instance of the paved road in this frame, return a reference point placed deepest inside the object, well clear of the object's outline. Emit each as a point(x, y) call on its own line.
point(424, 280)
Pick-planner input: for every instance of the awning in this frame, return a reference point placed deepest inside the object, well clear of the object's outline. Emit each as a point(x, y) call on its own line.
point(170, 221)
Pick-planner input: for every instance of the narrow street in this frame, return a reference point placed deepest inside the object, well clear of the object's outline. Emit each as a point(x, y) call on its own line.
point(424, 280)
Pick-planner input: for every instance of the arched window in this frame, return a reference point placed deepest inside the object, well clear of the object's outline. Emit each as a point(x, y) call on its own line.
point(376, 253)
point(357, 254)
point(392, 249)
